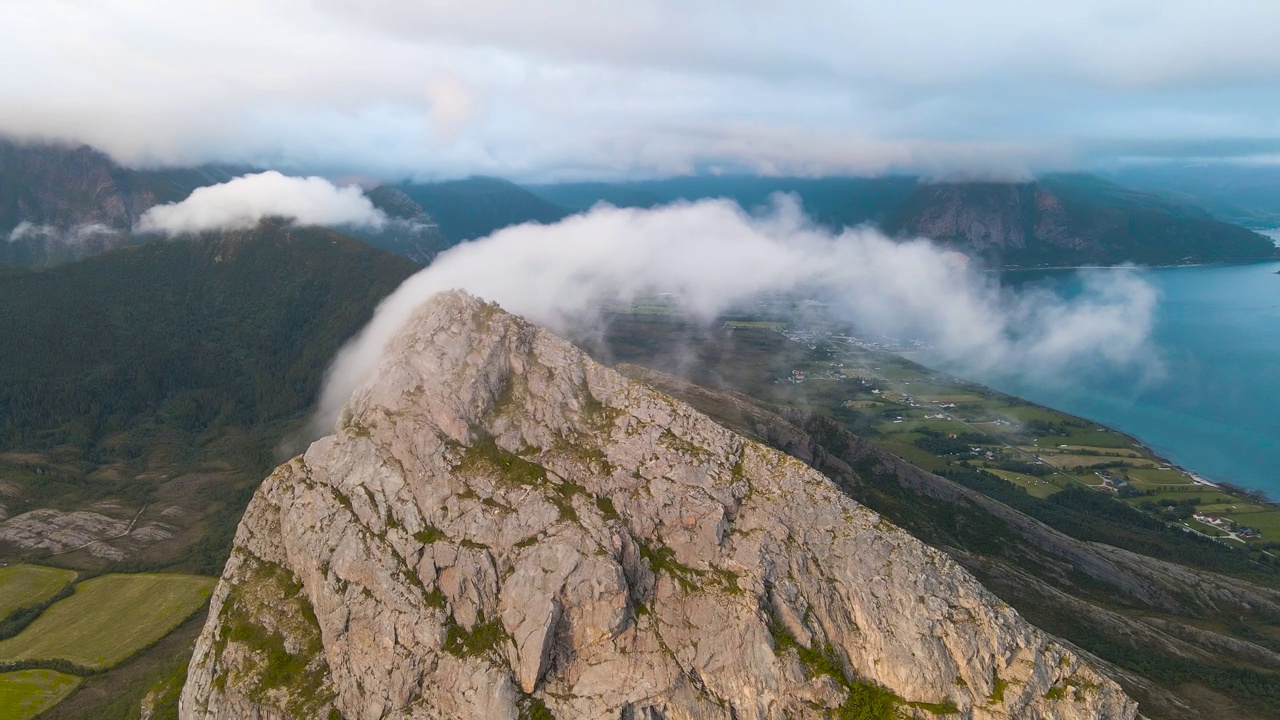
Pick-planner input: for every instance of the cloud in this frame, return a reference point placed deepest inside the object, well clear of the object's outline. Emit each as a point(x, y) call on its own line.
point(714, 255)
point(244, 201)
point(27, 229)
point(582, 88)
point(453, 105)
point(90, 231)
point(75, 236)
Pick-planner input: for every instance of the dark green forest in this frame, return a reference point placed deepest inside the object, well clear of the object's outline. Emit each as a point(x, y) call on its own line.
point(129, 369)
point(234, 329)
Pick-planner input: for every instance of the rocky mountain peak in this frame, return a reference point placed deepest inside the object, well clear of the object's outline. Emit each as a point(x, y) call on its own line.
point(499, 527)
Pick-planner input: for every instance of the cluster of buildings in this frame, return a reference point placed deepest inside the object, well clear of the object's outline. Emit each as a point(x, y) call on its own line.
point(1229, 525)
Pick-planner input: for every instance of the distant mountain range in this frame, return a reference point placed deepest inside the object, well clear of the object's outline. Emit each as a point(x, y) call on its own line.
point(1239, 193)
point(1072, 220)
point(59, 203)
point(474, 207)
point(1062, 219)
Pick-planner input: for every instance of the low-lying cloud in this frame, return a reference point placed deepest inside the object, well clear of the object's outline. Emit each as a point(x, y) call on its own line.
point(244, 201)
point(713, 255)
point(75, 236)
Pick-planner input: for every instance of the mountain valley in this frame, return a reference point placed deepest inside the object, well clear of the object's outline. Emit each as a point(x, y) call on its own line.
point(155, 383)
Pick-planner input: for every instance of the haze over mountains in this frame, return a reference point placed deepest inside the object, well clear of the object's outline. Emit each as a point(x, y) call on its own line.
point(60, 202)
point(1246, 194)
point(1062, 219)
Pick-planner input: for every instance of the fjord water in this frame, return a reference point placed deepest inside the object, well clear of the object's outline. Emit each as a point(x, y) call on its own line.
point(1215, 408)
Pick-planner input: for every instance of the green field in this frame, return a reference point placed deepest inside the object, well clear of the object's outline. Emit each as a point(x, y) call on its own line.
point(25, 585)
point(109, 618)
point(1267, 521)
point(1067, 460)
point(1156, 478)
point(1099, 439)
point(1041, 487)
point(1206, 495)
point(27, 693)
point(947, 395)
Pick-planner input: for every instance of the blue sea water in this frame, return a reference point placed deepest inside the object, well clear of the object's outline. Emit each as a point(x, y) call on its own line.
point(1216, 409)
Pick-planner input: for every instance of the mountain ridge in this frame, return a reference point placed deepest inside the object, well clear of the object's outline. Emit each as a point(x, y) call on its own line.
point(1054, 220)
point(60, 203)
point(500, 524)
point(472, 207)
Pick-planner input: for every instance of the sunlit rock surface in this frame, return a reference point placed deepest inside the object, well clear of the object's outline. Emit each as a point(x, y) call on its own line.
point(499, 527)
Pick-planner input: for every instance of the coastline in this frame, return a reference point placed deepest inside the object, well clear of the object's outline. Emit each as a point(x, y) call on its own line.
point(1214, 326)
point(1248, 495)
point(1222, 500)
point(1133, 266)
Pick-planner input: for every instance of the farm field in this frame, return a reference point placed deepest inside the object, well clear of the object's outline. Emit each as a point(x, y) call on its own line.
point(26, 585)
point(108, 619)
point(1265, 521)
point(1039, 487)
point(25, 694)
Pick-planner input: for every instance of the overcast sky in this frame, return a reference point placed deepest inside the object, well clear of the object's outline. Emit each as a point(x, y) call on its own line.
point(641, 88)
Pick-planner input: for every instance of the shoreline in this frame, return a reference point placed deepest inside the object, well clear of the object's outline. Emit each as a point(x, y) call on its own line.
point(1257, 496)
point(1224, 263)
point(1228, 487)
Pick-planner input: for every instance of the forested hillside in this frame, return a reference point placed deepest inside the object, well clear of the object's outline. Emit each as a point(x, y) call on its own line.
point(163, 378)
point(222, 329)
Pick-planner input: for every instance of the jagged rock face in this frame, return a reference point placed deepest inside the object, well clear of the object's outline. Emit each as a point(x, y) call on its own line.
point(500, 528)
point(990, 217)
point(411, 232)
point(59, 203)
point(68, 186)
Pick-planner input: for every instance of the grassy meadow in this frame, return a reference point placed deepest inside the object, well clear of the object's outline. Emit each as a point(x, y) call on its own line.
point(25, 694)
point(22, 586)
point(108, 619)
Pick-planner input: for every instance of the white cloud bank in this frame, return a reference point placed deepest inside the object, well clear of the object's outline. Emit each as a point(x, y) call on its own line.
point(594, 89)
point(714, 255)
point(244, 201)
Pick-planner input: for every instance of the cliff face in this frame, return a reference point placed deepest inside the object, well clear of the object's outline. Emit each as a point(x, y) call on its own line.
point(411, 233)
point(59, 203)
point(501, 528)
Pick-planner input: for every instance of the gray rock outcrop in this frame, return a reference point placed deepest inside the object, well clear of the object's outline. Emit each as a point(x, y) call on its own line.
point(57, 532)
point(499, 527)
